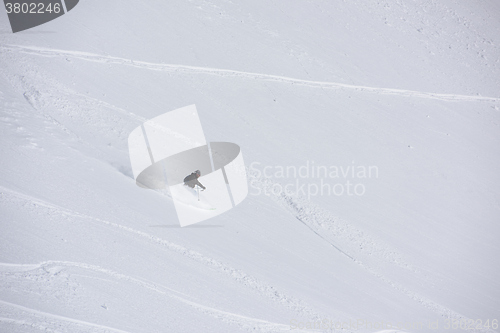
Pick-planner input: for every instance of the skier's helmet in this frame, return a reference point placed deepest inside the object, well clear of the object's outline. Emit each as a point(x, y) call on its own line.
point(198, 173)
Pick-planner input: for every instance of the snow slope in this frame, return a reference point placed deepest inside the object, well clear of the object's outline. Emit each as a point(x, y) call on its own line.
point(409, 87)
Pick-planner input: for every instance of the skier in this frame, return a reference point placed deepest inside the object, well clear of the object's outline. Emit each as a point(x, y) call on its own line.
point(192, 180)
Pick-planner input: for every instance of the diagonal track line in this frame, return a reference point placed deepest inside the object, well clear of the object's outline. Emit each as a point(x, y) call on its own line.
point(184, 69)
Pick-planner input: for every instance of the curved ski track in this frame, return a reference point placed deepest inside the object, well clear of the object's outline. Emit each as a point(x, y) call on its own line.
point(239, 276)
point(243, 322)
point(45, 326)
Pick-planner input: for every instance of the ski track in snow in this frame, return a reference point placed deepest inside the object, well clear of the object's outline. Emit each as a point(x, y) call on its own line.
point(261, 288)
point(40, 327)
point(76, 115)
point(244, 322)
point(45, 325)
point(319, 220)
point(48, 52)
point(237, 275)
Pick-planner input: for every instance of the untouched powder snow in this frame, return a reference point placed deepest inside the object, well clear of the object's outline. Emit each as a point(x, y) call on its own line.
point(397, 100)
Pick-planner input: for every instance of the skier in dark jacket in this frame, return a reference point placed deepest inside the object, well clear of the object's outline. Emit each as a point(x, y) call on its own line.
point(192, 180)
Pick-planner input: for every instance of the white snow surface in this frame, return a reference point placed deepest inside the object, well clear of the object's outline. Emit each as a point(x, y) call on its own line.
point(408, 87)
